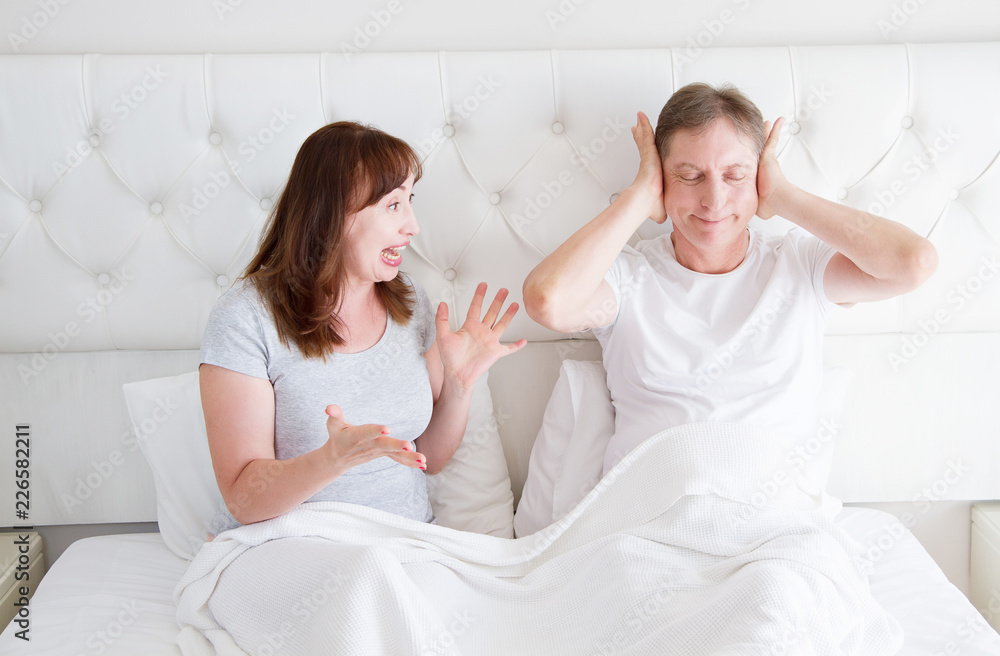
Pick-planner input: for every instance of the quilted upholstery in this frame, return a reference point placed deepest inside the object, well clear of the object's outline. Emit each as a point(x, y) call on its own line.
point(133, 189)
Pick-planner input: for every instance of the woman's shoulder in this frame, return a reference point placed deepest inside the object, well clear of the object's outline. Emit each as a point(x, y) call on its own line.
point(242, 300)
point(242, 291)
point(237, 335)
point(421, 322)
point(420, 297)
point(412, 282)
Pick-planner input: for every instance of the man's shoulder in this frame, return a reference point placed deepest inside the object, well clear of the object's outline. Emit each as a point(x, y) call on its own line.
point(654, 247)
point(795, 243)
point(795, 237)
point(797, 253)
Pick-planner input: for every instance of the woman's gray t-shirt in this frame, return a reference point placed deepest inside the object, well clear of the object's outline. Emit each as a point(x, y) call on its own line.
point(386, 384)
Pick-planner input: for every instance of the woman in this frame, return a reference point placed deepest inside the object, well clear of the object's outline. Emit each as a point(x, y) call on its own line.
point(323, 318)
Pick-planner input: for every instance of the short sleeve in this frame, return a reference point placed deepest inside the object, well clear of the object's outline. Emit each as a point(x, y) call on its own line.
point(423, 315)
point(813, 256)
point(620, 270)
point(234, 335)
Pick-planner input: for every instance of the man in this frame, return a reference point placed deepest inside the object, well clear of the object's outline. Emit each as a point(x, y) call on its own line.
point(716, 322)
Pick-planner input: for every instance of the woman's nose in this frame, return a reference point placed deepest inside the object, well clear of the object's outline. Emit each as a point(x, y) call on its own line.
point(411, 227)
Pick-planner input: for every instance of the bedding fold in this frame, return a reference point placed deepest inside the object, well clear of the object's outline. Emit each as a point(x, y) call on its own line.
point(697, 542)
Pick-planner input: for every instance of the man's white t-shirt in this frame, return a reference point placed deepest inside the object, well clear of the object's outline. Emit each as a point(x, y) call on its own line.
point(743, 346)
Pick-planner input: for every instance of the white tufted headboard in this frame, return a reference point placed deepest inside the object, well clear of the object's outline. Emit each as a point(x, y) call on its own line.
point(133, 190)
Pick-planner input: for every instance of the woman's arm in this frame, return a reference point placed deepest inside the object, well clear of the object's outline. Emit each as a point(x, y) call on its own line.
point(876, 258)
point(449, 418)
point(239, 418)
point(455, 361)
point(566, 292)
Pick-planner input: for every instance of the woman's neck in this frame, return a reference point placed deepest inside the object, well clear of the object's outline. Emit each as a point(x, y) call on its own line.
point(360, 300)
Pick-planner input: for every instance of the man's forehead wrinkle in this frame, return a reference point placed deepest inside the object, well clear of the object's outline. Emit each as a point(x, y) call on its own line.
point(695, 167)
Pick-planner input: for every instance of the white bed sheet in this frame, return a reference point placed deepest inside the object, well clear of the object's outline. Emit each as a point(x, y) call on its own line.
point(110, 595)
point(113, 596)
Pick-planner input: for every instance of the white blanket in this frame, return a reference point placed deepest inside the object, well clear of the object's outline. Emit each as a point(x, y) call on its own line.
point(696, 543)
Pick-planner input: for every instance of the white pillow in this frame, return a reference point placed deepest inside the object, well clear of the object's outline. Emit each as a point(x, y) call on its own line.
point(170, 428)
point(472, 493)
point(567, 457)
point(568, 454)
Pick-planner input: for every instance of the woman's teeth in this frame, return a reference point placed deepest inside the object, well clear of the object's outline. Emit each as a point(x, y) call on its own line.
point(392, 254)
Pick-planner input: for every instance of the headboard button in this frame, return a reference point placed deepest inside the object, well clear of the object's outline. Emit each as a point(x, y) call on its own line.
point(450, 274)
point(215, 138)
point(222, 281)
point(558, 127)
point(614, 197)
point(907, 122)
point(954, 194)
point(794, 127)
point(35, 205)
point(156, 208)
point(841, 193)
point(266, 203)
point(449, 130)
point(94, 139)
point(104, 279)
point(495, 198)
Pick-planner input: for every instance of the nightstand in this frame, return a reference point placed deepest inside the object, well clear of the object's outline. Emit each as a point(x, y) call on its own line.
point(21, 568)
point(984, 580)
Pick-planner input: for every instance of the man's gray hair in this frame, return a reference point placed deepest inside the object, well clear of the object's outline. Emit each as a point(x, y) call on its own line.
point(695, 106)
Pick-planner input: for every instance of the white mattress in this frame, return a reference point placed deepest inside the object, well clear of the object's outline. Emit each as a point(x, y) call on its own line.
point(112, 595)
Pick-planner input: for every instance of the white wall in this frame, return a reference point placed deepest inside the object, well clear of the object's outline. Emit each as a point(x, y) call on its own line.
point(223, 26)
point(124, 26)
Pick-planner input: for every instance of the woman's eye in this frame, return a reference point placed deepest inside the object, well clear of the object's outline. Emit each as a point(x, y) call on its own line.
point(393, 206)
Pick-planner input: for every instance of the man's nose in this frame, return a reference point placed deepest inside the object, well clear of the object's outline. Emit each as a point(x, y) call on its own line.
point(714, 195)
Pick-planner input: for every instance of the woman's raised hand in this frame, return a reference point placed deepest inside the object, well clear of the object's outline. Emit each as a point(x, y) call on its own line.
point(351, 445)
point(468, 353)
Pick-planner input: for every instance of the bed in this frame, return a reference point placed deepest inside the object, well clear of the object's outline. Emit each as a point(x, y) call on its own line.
point(114, 595)
point(134, 188)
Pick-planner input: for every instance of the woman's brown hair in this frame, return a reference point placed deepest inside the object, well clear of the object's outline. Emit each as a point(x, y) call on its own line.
point(299, 270)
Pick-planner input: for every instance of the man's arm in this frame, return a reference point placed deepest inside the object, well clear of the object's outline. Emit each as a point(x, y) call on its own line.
point(876, 258)
point(567, 292)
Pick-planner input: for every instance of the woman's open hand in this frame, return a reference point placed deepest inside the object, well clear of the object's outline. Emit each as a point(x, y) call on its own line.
point(351, 445)
point(468, 353)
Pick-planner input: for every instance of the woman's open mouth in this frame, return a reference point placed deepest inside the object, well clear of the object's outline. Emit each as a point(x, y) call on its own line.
point(392, 256)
